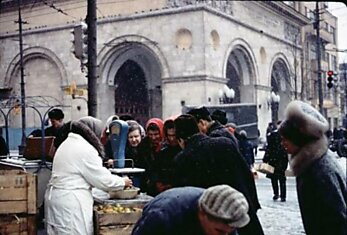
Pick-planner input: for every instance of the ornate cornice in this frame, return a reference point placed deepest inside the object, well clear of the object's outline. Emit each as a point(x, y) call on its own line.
point(282, 8)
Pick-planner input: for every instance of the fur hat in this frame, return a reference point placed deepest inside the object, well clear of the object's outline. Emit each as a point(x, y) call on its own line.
point(200, 113)
point(303, 123)
point(220, 116)
point(225, 203)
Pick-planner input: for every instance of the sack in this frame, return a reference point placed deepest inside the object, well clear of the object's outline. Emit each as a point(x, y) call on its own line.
point(264, 168)
point(289, 173)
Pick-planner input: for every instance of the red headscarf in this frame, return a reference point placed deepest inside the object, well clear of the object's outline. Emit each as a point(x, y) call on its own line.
point(159, 123)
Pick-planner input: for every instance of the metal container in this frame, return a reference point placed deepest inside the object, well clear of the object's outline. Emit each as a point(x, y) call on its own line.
point(125, 194)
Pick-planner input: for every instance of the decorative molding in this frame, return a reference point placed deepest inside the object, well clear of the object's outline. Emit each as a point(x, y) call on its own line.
point(262, 87)
point(194, 78)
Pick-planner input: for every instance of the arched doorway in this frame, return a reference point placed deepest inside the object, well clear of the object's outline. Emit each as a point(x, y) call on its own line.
point(240, 74)
point(131, 96)
point(281, 86)
point(131, 74)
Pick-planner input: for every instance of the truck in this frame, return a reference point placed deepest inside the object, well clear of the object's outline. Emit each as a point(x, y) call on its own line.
point(243, 115)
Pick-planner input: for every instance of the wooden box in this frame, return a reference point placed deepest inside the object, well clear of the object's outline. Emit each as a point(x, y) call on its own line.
point(33, 148)
point(264, 168)
point(18, 192)
point(115, 223)
point(18, 224)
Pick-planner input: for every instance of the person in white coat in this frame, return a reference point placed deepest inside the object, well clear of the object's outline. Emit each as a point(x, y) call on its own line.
point(77, 167)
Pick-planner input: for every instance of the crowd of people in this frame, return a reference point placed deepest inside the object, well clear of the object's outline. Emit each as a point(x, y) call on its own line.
point(198, 168)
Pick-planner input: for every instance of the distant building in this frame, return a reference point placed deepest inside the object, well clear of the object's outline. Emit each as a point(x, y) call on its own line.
point(343, 89)
point(329, 61)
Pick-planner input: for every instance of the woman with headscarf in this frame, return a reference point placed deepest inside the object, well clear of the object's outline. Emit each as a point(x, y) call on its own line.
point(320, 180)
point(148, 151)
point(135, 135)
point(77, 167)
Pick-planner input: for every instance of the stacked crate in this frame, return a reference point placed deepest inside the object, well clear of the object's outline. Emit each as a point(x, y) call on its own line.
point(120, 222)
point(18, 202)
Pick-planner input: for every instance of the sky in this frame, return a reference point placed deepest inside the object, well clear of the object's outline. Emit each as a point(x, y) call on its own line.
point(339, 10)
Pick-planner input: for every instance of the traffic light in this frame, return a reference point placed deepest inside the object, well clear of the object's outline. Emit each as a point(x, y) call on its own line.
point(80, 42)
point(330, 78)
point(84, 58)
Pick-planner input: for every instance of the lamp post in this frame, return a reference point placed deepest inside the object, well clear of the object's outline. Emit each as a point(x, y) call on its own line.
point(273, 102)
point(226, 95)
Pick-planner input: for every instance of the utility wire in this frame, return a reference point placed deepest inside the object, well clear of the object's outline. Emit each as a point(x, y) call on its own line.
point(56, 9)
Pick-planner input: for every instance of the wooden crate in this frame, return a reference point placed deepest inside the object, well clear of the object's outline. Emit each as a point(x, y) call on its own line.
point(18, 224)
point(115, 223)
point(18, 192)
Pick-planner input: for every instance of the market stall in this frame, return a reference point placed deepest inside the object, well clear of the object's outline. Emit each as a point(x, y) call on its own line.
point(117, 216)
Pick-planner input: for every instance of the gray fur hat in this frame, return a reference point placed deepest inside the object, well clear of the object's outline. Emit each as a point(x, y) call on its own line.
point(225, 203)
point(303, 123)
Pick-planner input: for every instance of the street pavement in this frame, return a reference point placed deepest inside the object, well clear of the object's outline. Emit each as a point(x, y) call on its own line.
point(276, 217)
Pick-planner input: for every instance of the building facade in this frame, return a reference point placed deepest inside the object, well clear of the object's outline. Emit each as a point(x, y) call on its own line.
point(155, 56)
point(328, 60)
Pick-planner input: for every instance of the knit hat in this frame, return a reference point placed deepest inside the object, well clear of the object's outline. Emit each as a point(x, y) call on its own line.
point(225, 203)
point(220, 116)
point(302, 123)
point(200, 113)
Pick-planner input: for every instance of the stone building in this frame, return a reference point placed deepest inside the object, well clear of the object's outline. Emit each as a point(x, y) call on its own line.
point(156, 55)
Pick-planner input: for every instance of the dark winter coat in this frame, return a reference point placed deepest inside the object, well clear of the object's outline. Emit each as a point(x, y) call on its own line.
point(276, 155)
point(132, 153)
point(146, 158)
point(174, 211)
point(218, 130)
point(3, 147)
point(321, 187)
point(164, 163)
point(246, 149)
point(207, 161)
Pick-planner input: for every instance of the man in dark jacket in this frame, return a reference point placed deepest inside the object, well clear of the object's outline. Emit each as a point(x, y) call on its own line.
point(164, 163)
point(276, 156)
point(194, 211)
point(209, 126)
point(246, 148)
point(206, 161)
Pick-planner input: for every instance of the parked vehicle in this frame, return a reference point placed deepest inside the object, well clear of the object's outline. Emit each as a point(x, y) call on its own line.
point(244, 115)
point(339, 146)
